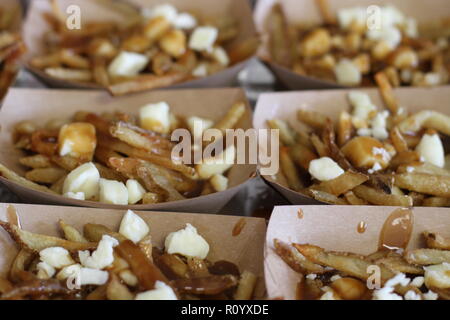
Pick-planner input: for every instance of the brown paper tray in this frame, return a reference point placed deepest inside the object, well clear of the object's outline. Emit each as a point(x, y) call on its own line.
point(35, 28)
point(331, 102)
point(306, 12)
point(43, 105)
point(245, 250)
point(335, 228)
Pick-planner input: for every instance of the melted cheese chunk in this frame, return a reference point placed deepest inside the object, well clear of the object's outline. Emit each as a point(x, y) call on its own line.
point(85, 178)
point(44, 270)
point(325, 169)
point(167, 11)
point(161, 292)
point(96, 277)
point(185, 21)
point(187, 242)
point(156, 117)
point(219, 182)
point(133, 227)
point(75, 195)
point(432, 150)
point(77, 140)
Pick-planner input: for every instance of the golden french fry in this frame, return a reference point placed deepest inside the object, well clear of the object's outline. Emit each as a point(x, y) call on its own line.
point(70, 233)
point(438, 186)
point(313, 119)
point(37, 161)
point(354, 200)
point(279, 39)
point(436, 241)
point(302, 155)
point(152, 198)
point(426, 119)
point(14, 177)
point(247, 284)
point(436, 202)
point(327, 197)
point(115, 290)
point(45, 175)
point(325, 11)
point(147, 82)
point(344, 129)
point(286, 135)
point(80, 75)
point(243, 50)
point(295, 259)
point(95, 232)
point(379, 198)
point(342, 184)
point(231, 119)
point(37, 242)
point(398, 141)
point(289, 170)
point(386, 92)
point(425, 257)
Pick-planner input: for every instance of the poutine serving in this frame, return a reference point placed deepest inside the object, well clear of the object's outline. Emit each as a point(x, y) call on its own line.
point(365, 154)
point(343, 44)
point(127, 49)
point(142, 260)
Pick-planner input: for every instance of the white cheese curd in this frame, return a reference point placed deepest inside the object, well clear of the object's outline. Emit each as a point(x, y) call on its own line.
point(96, 277)
point(362, 105)
point(201, 70)
point(185, 21)
point(44, 270)
point(430, 295)
point(325, 169)
point(69, 271)
point(219, 182)
point(127, 64)
point(113, 192)
point(56, 257)
point(348, 16)
point(161, 292)
point(187, 242)
point(167, 11)
point(221, 56)
point(85, 178)
point(135, 191)
point(347, 73)
point(155, 117)
point(133, 227)
point(203, 38)
point(102, 257)
point(418, 282)
point(432, 150)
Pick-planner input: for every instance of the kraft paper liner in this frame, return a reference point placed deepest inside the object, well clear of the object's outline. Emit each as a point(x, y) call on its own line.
point(306, 12)
point(35, 28)
point(42, 105)
point(284, 106)
point(245, 250)
point(335, 228)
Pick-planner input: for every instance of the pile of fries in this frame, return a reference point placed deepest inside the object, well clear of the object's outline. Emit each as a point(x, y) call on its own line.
point(119, 150)
point(376, 156)
point(157, 48)
point(49, 267)
point(345, 51)
point(420, 274)
point(11, 49)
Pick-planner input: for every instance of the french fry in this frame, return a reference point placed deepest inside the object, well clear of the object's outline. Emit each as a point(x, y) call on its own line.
point(386, 92)
point(286, 135)
point(115, 290)
point(95, 232)
point(438, 186)
point(313, 119)
point(246, 286)
point(398, 141)
point(243, 50)
point(10, 175)
point(147, 82)
point(436, 202)
point(342, 184)
point(301, 155)
point(327, 197)
point(426, 119)
point(37, 242)
point(377, 197)
point(344, 129)
point(426, 257)
point(79, 75)
point(280, 45)
point(321, 149)
point(295, 259)
point(37, 161)
point(45, 175)
point(231, 119)
point(354, 200)
point(289, 170)
point(325, 11)
point(436, 241)
point(70, 233)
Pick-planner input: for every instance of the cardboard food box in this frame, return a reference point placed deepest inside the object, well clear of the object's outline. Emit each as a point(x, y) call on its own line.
point(336, 228)
point(245, 249)
point(43, 105)
point(36, 27)
point(306, 12)
point(284, 106)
